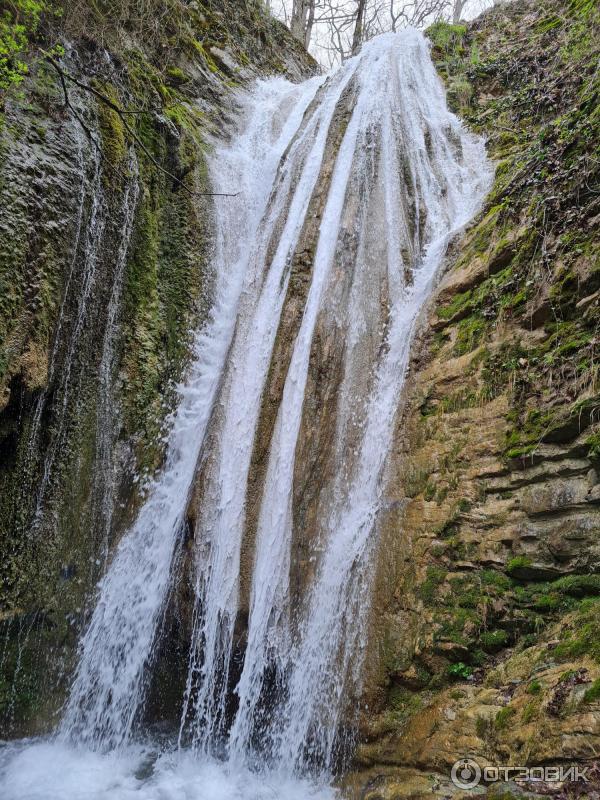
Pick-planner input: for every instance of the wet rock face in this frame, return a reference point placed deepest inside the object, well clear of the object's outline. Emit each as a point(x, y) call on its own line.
point(490, 553)
point(105, 243)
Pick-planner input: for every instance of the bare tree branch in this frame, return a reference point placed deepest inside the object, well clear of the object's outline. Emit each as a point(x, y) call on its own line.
point(64, 76)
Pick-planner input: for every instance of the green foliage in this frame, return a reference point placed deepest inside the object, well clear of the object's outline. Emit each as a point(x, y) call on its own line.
point(578, 585)
point(460, 671)
point(177, 76)
point(593, 443)
point(583, 638)
point(446, 36)
point(403, 702)
point(429, 491)
point(483, 727)
point(458, 304)
point(19, 22)
point(112, 130)
point(535, 687)
point(470, 333)
point(490, 577)
point(450, 46)
point(583, 8)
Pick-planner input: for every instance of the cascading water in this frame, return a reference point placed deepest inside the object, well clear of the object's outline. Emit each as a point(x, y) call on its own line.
point(372, 161)
point(106, 428)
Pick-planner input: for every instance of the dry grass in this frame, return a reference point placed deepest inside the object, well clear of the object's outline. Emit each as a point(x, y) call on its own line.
point(150, 22)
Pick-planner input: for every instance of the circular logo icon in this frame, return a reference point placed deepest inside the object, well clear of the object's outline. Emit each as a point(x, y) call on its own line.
point(466, 773)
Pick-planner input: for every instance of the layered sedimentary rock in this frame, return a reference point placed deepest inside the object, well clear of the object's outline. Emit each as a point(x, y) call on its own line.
point(486, 629)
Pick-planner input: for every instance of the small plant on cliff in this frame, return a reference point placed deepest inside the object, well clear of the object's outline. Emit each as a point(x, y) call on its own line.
point(593, 693)
point(530, 711)
point(460, 671)
point(503, 717)
point(593, 443)
point(518, 564)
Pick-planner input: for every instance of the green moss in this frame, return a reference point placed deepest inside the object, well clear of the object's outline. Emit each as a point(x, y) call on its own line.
point(517, 564)
point(429, 588)
point(593, 444)
point(484, 231)
point(177, 76)
point(459, 303)
point(20, 21)
point(521, 452)
point(582, 637)
point(112, 130)
point(469, 335)
point(403, 704)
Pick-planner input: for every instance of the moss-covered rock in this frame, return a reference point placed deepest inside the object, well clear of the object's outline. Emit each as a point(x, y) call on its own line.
point(104, 273)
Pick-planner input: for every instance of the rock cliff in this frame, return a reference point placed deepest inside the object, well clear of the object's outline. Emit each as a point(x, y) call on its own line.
point(484, 636)
point(105, 244)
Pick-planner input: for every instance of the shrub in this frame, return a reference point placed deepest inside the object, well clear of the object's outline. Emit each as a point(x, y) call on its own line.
point(493, 640)
point(460, 670)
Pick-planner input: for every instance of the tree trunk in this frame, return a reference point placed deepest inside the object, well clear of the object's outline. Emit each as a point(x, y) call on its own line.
point(309, 23)
point(302, 12)
point(358, 28)
point(458, 9)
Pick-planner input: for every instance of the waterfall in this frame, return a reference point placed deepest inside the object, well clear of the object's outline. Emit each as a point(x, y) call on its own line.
point(109, 684)
point(349, 189)
point(397, 111)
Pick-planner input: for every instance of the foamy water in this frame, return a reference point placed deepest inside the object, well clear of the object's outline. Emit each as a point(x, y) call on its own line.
point(51, 770)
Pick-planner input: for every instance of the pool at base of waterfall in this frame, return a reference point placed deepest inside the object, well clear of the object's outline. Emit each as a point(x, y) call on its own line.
point(45, 769)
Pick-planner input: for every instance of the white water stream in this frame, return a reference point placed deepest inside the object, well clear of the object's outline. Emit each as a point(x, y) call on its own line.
point(405, 178)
